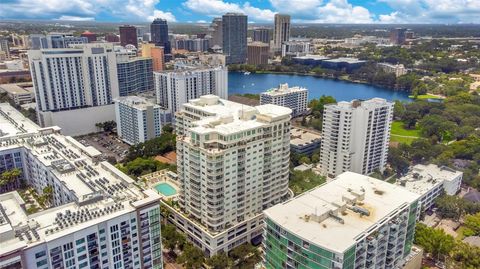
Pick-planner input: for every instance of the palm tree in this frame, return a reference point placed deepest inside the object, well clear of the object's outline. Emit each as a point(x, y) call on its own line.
point(9, 176)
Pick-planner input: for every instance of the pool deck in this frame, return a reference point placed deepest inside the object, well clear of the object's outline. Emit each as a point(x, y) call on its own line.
point(162, 176)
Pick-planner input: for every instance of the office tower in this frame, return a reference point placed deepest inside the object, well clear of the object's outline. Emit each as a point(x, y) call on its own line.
point(398, 36)
point(113, 38)
point(233, 162)
point(137, 119)
point(355, 136)
point(97, 218)
point(261, 35)
point(354, 221)
point(176, 87)
point(281, 32)
point(295, 98)
point(157, 55)
point(37, 41)
point(92, 37)
point(216, 33)
point(135, 75)
point(257, 53)
point(159, 34)
point(234, 31)
point(65, 80)
point(64, 40)
point(5, 47)
point(128, 35)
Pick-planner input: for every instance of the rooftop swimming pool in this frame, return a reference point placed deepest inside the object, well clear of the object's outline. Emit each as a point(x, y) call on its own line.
point(165, 189)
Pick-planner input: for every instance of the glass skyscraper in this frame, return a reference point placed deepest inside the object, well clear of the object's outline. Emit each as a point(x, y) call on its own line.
point(234, 28)
point(159, 33)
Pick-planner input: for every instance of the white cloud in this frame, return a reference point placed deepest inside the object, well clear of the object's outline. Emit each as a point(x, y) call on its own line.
point(214, 8)
point(75, 18)
point(336, 11)
point(295, 6)
point(127, 10)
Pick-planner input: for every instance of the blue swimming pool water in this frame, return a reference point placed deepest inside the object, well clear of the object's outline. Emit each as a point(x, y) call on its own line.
point(165, 189)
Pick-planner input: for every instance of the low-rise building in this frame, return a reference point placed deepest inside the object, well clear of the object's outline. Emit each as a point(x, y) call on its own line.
point(295, 98)
point(295, 48)
point(397, 69)
point(354, 221)
point(343, 63)
point(431, 181)
point(138, 120)
point(304, 141)
point(19, 93)
point(257, 53)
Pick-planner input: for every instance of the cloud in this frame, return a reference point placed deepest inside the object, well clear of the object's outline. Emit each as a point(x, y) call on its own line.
point(126, 10)
point(214, 8)
point(75, 18)
point(333, 11)
point(297, 7)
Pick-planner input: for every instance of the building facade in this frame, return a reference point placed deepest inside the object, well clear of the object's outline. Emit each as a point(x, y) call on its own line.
point(174, 88)
point(137, 119)
point(398, 36)
point(258, 53)
point(135, 75)
point(397, 69)
point(5, 47)
point(281, 32)
point(295, 48)
point(232, 163)
point(295, 98)
point(351, 222)
point(159, 34)
point(216, 30)
point(234, 33)
point(304, 142)
point(355, 136)
point(261, 35)
point(128, 35)
point(97, 218)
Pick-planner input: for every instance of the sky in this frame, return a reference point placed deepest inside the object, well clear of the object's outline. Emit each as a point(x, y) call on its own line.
point(258, 11)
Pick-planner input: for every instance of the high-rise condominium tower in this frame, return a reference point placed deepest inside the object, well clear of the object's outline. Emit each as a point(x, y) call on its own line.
point(216, 33)
point(281, 32)
point(159, 34)
point(234, 31)
point(295, 98)
point(261, 35)
point(174, 88)
point(233, 162)
point(128, 35)
point(355, 136)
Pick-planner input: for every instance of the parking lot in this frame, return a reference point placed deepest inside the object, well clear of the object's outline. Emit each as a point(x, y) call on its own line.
point(110, 145)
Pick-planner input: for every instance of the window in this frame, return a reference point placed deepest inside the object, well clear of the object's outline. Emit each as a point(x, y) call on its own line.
point(40, 254)
point(80, 241)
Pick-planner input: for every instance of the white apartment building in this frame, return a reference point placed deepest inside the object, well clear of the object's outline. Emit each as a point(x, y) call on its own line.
point(233, 162)
point(74, 78)
point(397, 69)
point(354, 221)
point(430, 181)
point(296, 48)
point(98, 217)
point(295, 98)
point(174, 88)
point(355, 136)
point(138, 120)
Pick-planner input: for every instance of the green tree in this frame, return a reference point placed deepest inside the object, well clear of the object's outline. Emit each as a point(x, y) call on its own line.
point(434, 241)
point(191, 257)
point(219, 261)
point(472, 222)
point(9, 176)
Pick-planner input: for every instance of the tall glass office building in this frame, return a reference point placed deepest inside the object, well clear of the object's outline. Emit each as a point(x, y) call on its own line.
point(159, 34)
point(234, 30)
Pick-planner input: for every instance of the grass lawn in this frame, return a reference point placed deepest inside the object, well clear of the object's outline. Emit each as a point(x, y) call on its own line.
point(301, 182)
point(402, 140)
point(398, 129)
point(425, 96)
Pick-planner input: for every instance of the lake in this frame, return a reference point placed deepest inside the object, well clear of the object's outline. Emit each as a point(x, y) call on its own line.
point(341, 90)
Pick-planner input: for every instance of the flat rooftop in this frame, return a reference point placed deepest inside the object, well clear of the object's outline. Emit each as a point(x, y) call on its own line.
point(345, 60)
point(422, 178)
point(14, 88)
point(13, 123)
point(283, 89)
point(370, 103)
point(301, 137)
point(136, 102)
point(298, 215)
point(312, 57)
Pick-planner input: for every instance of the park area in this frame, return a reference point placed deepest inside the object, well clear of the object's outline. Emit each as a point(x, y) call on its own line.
point(402, 135)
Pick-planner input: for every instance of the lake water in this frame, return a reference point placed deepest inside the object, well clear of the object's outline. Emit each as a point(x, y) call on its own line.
point(341, 90)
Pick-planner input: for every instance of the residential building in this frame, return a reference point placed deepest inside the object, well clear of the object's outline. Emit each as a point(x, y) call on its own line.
point(113, 38)
point(234, 32)
point(37, 41)
point(354, 221)
point(135, 75)
point(19, 93)
point(295, 48)
point(176, 87)
point(355, 136)
point(91, 37)
point(216, 29)
point(397, 69)
point(295, 98)
point(261, 35)
point(5, 47)
point(128, 35)
point(212, 59)
point(75, 87)
point(64, 40)
point(304, 142)
point(156, 53)
point(137, 119)
point(159, 34)
point(430, 181)
point(281, 32)
point(97, 218)
point(398, 36)
point(257, 53)
point(233, 162)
